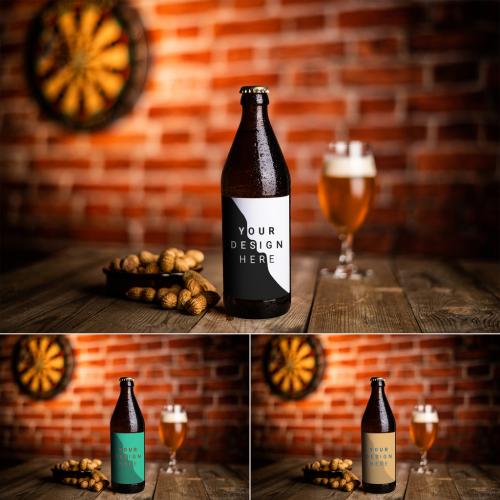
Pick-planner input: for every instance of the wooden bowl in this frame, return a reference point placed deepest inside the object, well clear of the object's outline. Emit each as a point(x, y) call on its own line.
point(118, 282)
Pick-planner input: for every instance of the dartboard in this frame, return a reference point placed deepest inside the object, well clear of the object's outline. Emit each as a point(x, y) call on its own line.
point(86, 60)
point(293, 365)
point(42, 365)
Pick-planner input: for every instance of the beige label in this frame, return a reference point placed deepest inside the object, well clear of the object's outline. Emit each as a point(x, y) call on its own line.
point(379, 457)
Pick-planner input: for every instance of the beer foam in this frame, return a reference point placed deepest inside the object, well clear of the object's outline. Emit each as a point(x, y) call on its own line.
point(349, 166)
point(422, 417)
point(174, 417)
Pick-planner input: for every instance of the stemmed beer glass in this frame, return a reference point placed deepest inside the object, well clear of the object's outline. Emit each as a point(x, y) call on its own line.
point(173, 428)
point(346, 190)
point(423, 431)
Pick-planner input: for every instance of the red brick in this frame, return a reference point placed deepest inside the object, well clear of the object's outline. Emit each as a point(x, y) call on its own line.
point(240, 54)
point(446, 101)
point(307, 50)
point(392, 133)
point(262, 26)
point(235, 82)
point(183, 110)
point(314, 22)
point(310, 78)
point(296, 107)
point(392, 16)
point(388, 76)
point(110, 139)
point(175, 137)
point(465, 40)
point(308, 135)
point(60, 163)
point(193, 7)
point(378, 46)
point(174, 164)
point(456, 161)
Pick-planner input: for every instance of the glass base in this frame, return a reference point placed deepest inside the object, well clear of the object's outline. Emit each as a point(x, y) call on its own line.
point(172, 470)
point(346, 273)
point(423, 470)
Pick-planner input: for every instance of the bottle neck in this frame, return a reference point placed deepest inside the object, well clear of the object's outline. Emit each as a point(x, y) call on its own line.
point(126, 391)
point(254, 111)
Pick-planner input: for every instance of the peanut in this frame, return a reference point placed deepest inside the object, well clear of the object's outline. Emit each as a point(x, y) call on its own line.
point(196, 305)
point(197, 255)
point(152, 268)
point(134, 293)
point(115, 264)
point(205, 285)
point(336, 472)
point(169, 301)
point(148, 257)
point(183, 297)
point(181, 264)
point(166, 262)
point(130, 263)
point(148, 294)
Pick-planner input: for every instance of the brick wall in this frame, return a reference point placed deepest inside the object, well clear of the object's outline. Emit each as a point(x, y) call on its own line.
point(208, 375)
point(460, 375)
point(418, 80)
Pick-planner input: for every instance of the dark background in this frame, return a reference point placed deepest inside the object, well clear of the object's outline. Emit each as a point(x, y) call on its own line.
point(418, 80)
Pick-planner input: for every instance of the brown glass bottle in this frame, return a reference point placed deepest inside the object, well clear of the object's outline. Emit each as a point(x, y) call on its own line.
point(378, 438)
point(255, 187)
point(127, 441)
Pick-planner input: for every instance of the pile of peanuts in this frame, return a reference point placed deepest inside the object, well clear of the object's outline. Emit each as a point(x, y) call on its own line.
point(194, 296)
point(91, 479)
point(335, 474)
point(168, 261)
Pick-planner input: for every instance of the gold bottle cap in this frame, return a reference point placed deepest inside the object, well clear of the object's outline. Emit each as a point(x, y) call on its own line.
point(126, 379)
point(254, 89)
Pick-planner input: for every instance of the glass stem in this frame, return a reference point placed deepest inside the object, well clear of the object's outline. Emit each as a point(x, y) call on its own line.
point(423, 461)
point(346, 253)
point(172, 464)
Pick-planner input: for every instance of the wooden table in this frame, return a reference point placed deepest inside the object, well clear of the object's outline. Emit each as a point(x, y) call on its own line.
point(66, 293)
point(283, 481)
point(33, 480)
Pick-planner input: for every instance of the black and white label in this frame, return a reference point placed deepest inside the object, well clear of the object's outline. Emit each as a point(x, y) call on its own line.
point(256, 239)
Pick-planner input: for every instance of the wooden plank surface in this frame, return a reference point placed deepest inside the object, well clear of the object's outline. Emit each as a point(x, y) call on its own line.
point(486, 274)
point(445, 299)
point(426, 486)
point(376, 304)
point(66, 293)
point(303, 283)
point(472, 483)
point(283, 480)
point(402, 473)
point(33, 479)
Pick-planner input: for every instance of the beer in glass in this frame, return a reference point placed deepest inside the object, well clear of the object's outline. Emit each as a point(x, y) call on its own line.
point(127, 441)
point(172, 429)
point(255, 187)
point(423, 432)
point(378, 441)
point(346, 191)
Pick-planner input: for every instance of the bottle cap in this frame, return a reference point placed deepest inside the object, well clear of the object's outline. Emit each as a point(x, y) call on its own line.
point(377, 379)
point(126, 379)
point(254, 89)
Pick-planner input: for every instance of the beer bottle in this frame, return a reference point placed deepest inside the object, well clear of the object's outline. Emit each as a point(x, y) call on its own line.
point(378, 438)
point(127, 441)
point(255, 189)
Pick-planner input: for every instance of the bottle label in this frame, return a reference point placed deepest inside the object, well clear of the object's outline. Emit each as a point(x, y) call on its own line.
point(256, 247)
point(127, 457)
point(379, 457)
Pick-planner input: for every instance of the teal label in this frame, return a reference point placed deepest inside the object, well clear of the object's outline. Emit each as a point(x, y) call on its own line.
point(127, 457)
